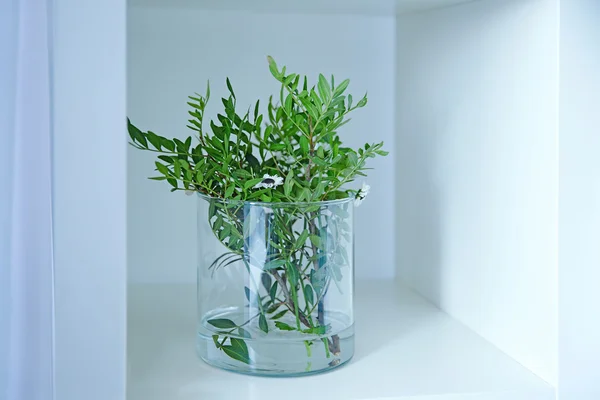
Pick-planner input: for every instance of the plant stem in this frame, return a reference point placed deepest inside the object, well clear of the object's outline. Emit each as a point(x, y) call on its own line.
point(326, 342)
point(334, 343)
point(313, 231)
point(288, 299)
point(296, 306)
point(307, 344)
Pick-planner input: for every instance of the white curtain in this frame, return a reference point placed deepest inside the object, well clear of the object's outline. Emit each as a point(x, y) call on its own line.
point(26, 275)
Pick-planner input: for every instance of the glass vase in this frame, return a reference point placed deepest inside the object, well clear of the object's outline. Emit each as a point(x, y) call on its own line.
point(275, 286)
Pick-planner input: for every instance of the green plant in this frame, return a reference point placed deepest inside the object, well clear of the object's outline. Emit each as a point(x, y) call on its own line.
point(293, 155)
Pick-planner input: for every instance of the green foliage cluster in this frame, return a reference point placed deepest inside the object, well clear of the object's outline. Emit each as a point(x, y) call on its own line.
point(298, 141)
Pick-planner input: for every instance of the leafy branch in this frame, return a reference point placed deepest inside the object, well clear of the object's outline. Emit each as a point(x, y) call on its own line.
point(292, 155)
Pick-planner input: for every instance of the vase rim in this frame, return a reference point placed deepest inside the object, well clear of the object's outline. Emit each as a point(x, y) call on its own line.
point(344, 200)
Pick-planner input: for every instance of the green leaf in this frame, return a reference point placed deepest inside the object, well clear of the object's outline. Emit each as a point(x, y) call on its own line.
point(225, 232)
point(226, 141)
point(154, 139)
point(302, 239)
point(135, 134)
point(194, 105)
point(162, 168)
point(341, 87)
point(242, 173)
point(222, 323)
point(229, 191)
point(218, 223)
point(316, 240)
point(166, 159)
point(317, 279)
point(305, 195)
point(267, 133)
point(273, 291)
point(256, 108)
point(216, 340)
point(273, 264)
point(283, 326)
point(308, 294)
point(362, 102)
point(238, 350)
point(266, 281)
point(229, 87)
point(252, 161)
point(336, 272)
point(244, 333)
point(249, 293)
point(252, 182)
point(352, 159)
point(321, 152)
point(180, 145)
point(279, 314)
point(288, 104)
point(291, 78)
point(289, 182)
point(273, 67)
point(312, 208)
point(304, 144)
point(320, 162)
point(168, 144)
point(273, 308)
point(320, 189)
point(177, 169)
point(315, 98)
point(317, 330)
point(324, 88)
point(262, 323)
point(293, 274)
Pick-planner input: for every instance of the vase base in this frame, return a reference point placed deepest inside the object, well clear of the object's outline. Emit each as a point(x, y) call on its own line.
point(279, 358)
point(272, 373)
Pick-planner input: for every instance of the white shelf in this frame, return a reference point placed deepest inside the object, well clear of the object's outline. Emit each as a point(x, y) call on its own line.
point(369, 7)
point(405, 349)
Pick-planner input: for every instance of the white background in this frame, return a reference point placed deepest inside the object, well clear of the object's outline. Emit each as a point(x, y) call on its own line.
point(173, 51)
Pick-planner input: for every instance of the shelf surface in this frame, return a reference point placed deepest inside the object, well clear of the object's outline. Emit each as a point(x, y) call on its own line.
point(405, 349)
point(369, 7)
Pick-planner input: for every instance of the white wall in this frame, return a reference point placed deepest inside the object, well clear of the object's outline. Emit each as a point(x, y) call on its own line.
point(9, 17)
point(579, 271)
point(476, 154)
point(172, 53)
point(89, 172)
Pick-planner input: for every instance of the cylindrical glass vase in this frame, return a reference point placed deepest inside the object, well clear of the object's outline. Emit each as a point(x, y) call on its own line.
point(275, 286)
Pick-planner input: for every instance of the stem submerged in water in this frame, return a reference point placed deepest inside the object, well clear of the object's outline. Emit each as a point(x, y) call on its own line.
point(307, 344)
point(331, 345)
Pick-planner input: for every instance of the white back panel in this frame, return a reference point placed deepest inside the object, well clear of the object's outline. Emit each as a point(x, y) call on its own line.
point(476, 153)
point(579, 272)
